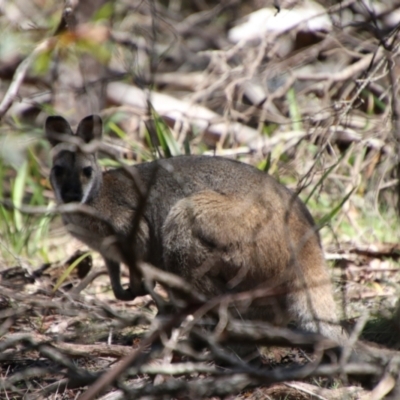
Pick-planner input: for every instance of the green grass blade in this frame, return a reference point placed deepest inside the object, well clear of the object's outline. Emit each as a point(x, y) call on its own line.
point(265, 164)
point(69, 270)
point(323, 177)
point(294, 110)
point(186, 145)
point(117, 130)
point(167, 142)
point(328, 217)
point(18, 194)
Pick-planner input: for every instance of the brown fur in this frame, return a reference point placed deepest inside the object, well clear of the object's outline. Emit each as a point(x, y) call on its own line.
point(222, 225)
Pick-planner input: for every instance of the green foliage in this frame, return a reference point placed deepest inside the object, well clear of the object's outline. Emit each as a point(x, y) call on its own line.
point(166, 142)
point(96, 49)
point(323, 178)
point(186, 145)
point(294, 110)
point(376, 105)
point(327, 218)
point(22, 234)
point(269, 129)
point(105, 12)
point(142, 153)
point(42, 62)
point(265, 165)
point(18, 193)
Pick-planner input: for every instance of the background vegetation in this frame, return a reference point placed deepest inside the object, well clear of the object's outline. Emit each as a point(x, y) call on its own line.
point(307, 91)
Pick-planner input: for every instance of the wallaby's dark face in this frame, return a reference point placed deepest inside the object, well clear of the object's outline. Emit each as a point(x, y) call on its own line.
point(75, 176)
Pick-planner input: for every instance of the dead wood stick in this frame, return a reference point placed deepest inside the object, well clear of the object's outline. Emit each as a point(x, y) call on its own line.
point(347, 73)
point(20, 73)
point(182, 111)
point(70, 349)
point(85, 282)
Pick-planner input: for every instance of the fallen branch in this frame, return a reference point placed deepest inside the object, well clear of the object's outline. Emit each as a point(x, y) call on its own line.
point(74, 350)
point(20, 73)
point(199, 117)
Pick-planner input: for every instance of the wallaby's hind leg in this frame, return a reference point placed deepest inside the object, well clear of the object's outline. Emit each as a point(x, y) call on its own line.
point(200, 246)
point(220, 243)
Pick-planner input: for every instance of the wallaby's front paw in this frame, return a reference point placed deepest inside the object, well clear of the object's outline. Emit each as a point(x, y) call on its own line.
point(140, 290)
point(125, 295)
point(132, 292)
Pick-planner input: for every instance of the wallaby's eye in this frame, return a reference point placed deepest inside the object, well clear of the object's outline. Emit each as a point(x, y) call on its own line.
point(87, 171)
point(58, 171)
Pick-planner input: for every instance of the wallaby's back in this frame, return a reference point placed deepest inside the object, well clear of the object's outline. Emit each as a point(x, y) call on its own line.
point(171, 180)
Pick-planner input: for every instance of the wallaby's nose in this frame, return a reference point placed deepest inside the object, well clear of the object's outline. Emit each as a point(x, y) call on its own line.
point(70, 195)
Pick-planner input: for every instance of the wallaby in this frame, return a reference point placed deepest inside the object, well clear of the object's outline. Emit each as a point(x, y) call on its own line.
point(222, 225)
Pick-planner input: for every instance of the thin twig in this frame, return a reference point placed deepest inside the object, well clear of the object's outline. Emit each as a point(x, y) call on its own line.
point(20, 73)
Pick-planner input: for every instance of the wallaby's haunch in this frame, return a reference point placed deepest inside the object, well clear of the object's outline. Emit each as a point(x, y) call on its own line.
point(222, 225)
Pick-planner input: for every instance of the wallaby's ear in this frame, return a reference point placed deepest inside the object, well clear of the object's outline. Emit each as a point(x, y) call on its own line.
point(90, 128)
point(56, 126)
